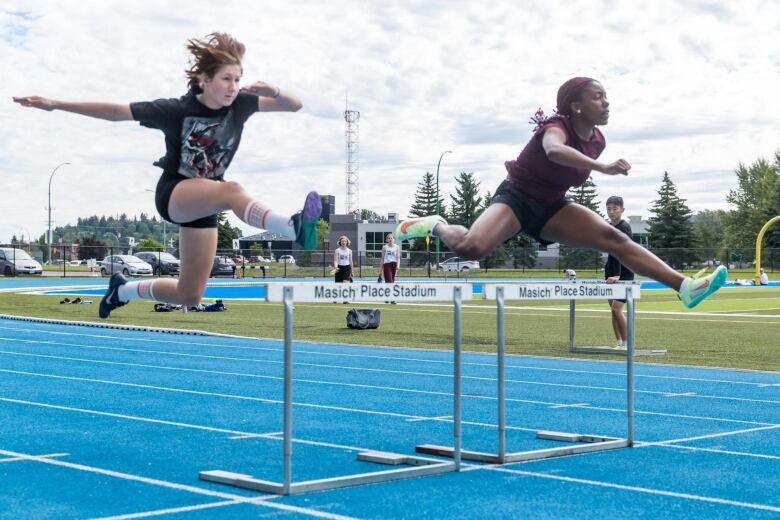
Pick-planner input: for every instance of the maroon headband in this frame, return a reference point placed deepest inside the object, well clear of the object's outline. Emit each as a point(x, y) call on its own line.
point(570, 92)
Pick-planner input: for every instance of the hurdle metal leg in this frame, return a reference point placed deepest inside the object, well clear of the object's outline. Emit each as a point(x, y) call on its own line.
point(592, 443)
point(414, 466)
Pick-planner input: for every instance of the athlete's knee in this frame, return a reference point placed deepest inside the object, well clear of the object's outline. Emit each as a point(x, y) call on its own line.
point(190, 296)
point(614, 240)
point(231, 188)
point(472, 248)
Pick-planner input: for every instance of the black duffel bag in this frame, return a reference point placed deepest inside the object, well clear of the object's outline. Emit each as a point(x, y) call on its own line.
point(363, 318)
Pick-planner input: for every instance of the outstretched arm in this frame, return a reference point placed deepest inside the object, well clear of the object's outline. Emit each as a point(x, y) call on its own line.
point(107, 111)
point(554, 143)
point(270, 98)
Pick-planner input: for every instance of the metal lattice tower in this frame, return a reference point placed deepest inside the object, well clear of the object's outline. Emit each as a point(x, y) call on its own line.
point(353, 166)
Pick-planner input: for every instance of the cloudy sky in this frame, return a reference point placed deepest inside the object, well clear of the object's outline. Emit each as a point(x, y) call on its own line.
point(693, 85)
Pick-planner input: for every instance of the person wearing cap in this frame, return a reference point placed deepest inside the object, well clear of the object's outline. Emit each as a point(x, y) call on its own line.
point(615, 272)
point(561, 154)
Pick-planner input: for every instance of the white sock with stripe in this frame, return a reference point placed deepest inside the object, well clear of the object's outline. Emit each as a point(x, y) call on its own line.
point(136, 291)
point(258, 215)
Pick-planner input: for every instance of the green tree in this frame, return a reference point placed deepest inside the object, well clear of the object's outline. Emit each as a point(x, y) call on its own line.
point(91, 247)
point(772, 237)
point(323, 230)
point(709, 227)
point(670, 229)
point(466, 204)
point(425, 198)
point(576, 257)
point(369, 214)
point(149, 244)
point(752, 200)
point(226, 233)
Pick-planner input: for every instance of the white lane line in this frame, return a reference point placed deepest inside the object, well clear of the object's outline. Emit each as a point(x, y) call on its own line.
point(713, 435)
point(439, 418)
point(575, 405)
point(256, 435)
point(397, 358)
point(680, 394)
point(238, 499)
point(49, 455)
point(638, 489)
point(262, 501)
point(341, 367)
point(716, 450)
point(401, 358)
point(360, 410)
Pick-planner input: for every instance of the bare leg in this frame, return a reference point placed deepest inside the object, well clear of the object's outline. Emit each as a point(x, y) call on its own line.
point(496, 224)
point(619, 324)
point(197, 247)
point(197, 198)
point(578, 226)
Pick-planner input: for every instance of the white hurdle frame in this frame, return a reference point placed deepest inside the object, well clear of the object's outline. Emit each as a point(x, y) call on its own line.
point(356, 292)
point(591, 443)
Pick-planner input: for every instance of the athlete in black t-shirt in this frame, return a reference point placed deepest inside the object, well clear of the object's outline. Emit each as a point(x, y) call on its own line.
point(614, 271)
point(202, 133)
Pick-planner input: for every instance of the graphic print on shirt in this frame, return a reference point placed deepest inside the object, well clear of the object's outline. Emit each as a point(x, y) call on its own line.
point(206, 145)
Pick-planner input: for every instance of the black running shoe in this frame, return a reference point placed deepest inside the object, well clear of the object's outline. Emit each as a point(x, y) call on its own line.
point(110, 300)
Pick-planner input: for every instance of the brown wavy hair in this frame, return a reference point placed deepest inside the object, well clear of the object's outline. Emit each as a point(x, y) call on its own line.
point(210, 53)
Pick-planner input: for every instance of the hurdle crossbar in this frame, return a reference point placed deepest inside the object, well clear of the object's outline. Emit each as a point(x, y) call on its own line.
point(412, 466)
point(590, 443)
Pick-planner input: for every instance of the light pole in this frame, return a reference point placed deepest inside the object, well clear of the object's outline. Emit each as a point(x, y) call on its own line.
point(438, 209)
point(48, 238)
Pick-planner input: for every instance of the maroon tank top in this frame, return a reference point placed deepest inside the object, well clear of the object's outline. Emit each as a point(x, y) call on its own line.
point(544, 180)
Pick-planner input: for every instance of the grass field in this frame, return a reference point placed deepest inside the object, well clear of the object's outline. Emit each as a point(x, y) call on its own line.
point(736, 328)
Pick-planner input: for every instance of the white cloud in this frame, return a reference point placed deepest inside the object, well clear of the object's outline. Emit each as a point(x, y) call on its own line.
point(692, 84)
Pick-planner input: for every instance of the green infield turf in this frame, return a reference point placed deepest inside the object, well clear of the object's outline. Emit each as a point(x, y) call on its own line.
point(736, 328)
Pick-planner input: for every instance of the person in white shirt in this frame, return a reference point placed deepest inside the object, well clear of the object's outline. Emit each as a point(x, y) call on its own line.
point(391, 258)
point(763, 278)
point(342, 260)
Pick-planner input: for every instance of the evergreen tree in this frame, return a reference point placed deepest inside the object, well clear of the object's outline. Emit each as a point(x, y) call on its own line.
point(772, 236)
point(670, 229)
point(226, 233)
point(575, 257)
point(425, 198)
point(466, 203)
point(709, 227)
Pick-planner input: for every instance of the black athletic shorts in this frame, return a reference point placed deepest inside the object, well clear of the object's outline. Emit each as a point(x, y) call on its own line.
point(626, 278)
point(532, 214)
point(344, 274)
point(162, 197)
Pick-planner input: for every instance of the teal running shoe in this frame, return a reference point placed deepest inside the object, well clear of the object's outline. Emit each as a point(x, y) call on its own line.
point(417, 227)
point(696, 289)
point(305, 221)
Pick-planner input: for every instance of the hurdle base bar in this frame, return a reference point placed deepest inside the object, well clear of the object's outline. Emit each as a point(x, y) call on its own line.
point(591, 443)
point(419, 467)
point(617, 351)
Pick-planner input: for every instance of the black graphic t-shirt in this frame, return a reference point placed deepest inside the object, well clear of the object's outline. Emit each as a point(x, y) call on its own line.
point(199, 141)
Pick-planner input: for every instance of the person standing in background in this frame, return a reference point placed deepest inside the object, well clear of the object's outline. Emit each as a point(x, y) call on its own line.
point(614, 271)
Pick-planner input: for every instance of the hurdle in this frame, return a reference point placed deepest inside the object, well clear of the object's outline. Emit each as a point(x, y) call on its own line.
point(413, 466)
point(591, 443)
point(574, 349)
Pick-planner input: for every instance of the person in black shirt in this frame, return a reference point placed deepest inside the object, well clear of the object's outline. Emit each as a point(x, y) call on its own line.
point(614, 271)
point(202, 133)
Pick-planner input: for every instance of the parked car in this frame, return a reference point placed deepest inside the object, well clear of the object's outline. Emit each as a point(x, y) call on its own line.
point(128, 265)
point(16, 261)
point(161, 262)
point(223, 266)
point(458, 264)
point(239, 260)
point(258, 259)
point(287, 259)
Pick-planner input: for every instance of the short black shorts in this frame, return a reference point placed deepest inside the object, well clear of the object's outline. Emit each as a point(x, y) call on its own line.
point(344, 274)
point(162, 198)
point(532, 214)
point(622, 279)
